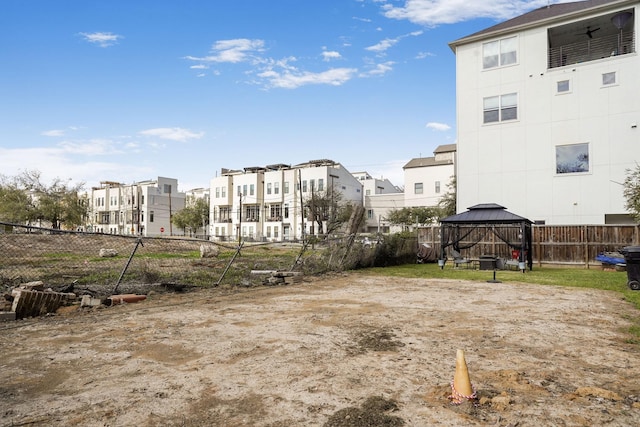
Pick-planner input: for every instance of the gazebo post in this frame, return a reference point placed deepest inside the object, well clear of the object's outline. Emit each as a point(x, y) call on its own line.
point(523, 248)
point(442, 258)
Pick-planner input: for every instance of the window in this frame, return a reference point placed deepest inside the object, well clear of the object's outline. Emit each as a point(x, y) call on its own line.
point(244, 190)
point(268, 231)
point(417, 188)
point(225, 214)
point(563, 86)
point(609, 79)
point(285, 189)
point(367, 192)
point(286, 211)
point(217, 192)
point(312, 184)
point(500, 53)
point(142, 199)
point(500, 108)
point(276, 188)
point(320, 184)
point(275, 212)
point(252, 213)
point(167, 188)
point(252, 190)
point(150, 216)
point(268, 188)
point(437, 187)
point(224, 191)
point(275, 232)
point(572, 158)
point(369, 213)
point(304, 186)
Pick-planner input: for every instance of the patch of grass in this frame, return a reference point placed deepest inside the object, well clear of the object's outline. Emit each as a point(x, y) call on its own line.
point(166, 255)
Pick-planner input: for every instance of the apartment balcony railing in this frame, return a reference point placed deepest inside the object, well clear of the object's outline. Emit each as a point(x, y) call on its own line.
point(592, 49)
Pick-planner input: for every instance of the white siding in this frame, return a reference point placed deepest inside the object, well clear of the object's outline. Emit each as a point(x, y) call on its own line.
point(514, 163)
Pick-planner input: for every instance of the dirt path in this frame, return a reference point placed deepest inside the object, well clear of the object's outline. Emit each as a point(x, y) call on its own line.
point(313, 354)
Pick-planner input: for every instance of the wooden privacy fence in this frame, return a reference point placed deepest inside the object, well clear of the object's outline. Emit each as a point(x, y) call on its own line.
point(571, 245)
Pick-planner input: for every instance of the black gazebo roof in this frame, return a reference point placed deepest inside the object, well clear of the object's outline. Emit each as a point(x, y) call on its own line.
point(486, 213)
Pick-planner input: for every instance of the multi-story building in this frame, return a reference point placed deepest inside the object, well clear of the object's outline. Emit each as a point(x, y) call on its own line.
point(142, 208)
point(426, 179)
point(265, 203)
point(380, 197)
point(548, 112)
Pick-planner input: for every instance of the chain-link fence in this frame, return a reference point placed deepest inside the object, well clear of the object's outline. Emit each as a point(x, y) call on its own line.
point(59, 258)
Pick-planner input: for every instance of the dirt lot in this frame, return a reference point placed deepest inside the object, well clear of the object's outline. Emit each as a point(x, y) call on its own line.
point(348, 350)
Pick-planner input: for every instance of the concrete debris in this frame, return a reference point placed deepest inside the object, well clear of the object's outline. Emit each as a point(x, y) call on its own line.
point(89, 301)
point(33, 286)
point(283, 278)
point(31, 303)
point(108, 253)
point(6, 316)
point(209, 251)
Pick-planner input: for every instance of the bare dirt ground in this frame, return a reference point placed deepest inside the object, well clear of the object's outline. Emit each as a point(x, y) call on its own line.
point(349, 350)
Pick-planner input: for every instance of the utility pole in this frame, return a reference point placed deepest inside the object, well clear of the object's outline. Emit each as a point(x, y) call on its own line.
point(301, 204)
point(170, 214)
point(240, 222)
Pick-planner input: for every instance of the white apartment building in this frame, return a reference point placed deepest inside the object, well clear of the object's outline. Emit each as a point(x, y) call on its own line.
point(142, 208)
point(547, 112)
point(380, 197)
point(264, 203)
point(426, 179)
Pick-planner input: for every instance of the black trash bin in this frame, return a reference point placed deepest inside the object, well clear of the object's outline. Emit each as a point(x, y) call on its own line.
point(632, 259)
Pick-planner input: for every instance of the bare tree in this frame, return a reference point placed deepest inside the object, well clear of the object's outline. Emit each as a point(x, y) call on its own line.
point(327, 211)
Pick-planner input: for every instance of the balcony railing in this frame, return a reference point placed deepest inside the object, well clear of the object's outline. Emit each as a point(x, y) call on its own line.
point(592, 49)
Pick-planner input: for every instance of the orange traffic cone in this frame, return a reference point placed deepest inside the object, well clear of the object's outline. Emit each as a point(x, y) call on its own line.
point(461, 387)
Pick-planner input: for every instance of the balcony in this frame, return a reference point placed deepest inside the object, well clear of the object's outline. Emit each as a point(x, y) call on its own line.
point(592, 49)
point(606, 36)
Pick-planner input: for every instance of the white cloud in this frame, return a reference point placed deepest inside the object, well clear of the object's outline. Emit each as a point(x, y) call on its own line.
point(102, 39)
point(292, 80)
point(173, 134)
point(93, 147)
point(329, 55)
point(435, 12)
point(379, 69)
point(53, 132)
point(199, 67)
point(388, 43)
point(438, 126)
point(422, 55)
point(233, 51)
point(383, 45)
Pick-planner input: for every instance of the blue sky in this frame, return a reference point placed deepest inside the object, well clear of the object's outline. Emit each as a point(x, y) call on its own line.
point(129, 90)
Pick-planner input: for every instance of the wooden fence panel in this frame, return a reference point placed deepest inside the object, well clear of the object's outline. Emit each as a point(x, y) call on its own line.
point(552, 244)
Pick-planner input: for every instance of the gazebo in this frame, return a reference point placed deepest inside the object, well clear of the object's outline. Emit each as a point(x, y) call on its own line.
point(467, 229)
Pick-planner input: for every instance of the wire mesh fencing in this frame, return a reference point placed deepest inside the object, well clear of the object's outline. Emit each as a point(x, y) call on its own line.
point(59, 258)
